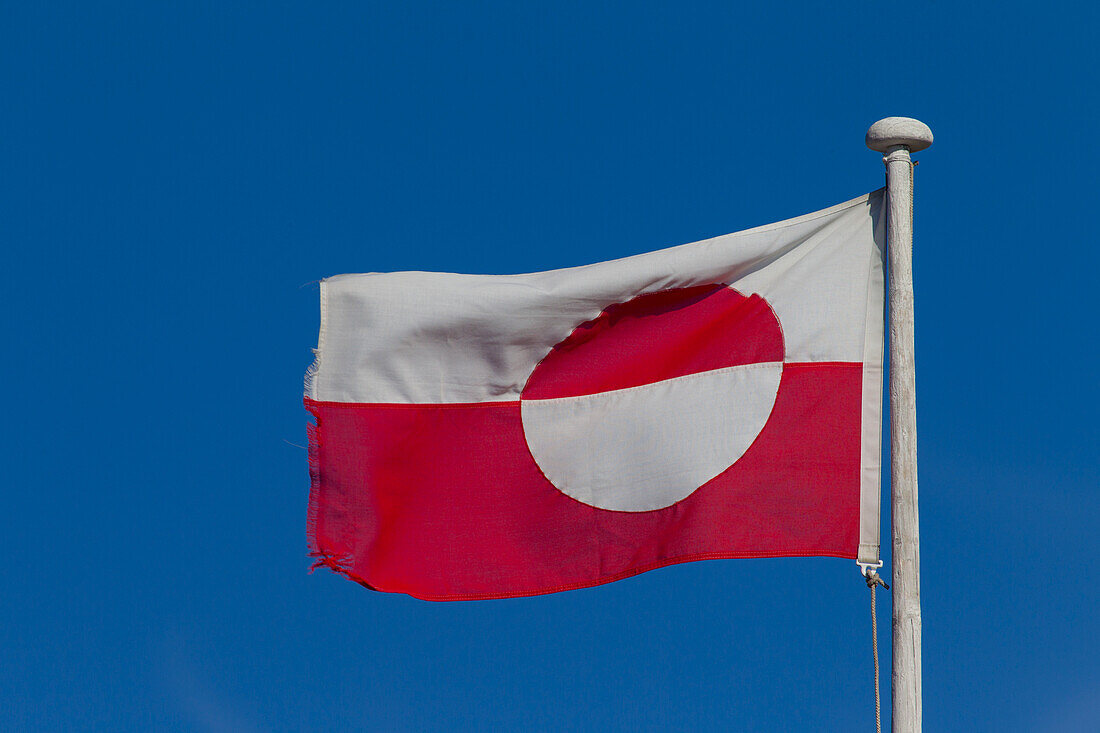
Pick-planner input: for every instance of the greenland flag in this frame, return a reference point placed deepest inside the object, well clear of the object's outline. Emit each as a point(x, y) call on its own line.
point(487, 436)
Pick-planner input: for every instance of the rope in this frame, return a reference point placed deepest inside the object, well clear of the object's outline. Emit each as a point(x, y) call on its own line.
point(874, 580)
point(912, 175)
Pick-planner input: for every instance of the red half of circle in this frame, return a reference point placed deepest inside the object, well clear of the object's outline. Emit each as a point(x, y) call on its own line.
point(659, 336)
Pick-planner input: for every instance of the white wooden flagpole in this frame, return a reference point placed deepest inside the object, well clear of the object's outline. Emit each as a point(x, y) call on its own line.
point(896, 138)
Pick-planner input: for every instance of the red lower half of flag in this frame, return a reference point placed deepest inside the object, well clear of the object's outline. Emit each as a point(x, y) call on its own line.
point(446, 502)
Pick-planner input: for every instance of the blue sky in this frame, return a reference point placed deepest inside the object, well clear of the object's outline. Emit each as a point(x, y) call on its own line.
point(177, 177)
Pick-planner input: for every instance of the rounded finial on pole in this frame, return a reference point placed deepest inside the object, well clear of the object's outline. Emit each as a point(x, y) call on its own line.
point(898, 132)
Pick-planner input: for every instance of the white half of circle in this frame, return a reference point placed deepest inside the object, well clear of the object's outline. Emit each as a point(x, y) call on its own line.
point(648, 447)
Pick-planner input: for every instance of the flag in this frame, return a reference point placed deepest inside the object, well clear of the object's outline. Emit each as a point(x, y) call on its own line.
point(490, 436)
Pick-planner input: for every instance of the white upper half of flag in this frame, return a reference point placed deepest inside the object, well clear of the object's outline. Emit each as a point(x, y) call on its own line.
point(429, 338)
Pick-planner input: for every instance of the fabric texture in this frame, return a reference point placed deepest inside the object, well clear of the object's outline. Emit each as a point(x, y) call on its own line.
point(486, 436)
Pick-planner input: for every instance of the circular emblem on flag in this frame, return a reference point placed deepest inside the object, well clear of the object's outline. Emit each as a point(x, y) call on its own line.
point(642, 405)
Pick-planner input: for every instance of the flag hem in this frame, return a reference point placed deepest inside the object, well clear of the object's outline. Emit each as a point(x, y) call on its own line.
point(870, 484)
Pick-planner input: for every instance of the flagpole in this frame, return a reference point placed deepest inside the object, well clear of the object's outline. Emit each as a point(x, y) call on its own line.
point(896, 138)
